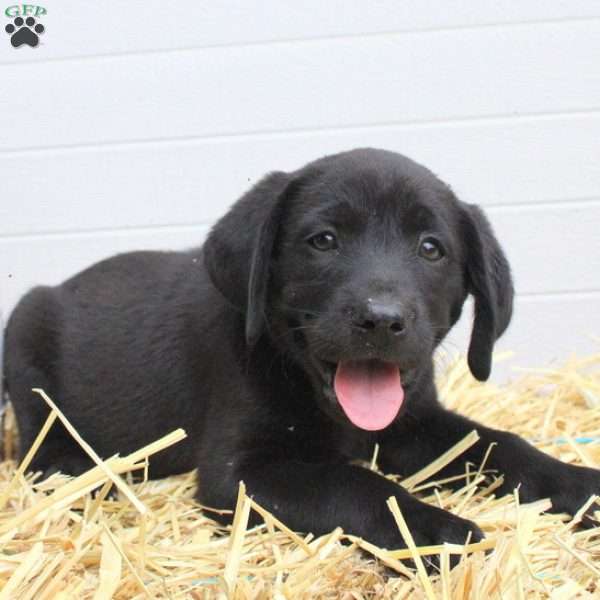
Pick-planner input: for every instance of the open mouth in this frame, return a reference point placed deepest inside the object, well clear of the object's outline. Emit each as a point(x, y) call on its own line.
point(370, 391)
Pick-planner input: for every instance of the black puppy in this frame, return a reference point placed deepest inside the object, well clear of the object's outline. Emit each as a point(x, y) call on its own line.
point(300, 334)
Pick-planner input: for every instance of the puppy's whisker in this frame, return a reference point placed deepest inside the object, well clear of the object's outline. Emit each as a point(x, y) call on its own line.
point(309, 311)
point(290, 332)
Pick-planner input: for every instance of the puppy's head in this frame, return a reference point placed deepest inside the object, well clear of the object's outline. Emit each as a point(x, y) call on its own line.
point(357, 266)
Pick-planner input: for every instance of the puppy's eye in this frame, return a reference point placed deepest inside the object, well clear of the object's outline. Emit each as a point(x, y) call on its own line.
point(323, 241)
point(430, 249)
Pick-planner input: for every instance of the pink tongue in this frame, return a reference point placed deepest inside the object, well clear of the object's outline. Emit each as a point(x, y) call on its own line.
point(370, 392)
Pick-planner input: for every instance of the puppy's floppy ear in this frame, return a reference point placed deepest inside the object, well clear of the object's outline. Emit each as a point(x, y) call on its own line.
point(489, 281)
point(238, 249)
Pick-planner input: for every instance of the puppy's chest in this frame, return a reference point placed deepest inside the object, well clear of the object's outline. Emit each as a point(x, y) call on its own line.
point(319, 440)
point(305, 440)
point(293, 420)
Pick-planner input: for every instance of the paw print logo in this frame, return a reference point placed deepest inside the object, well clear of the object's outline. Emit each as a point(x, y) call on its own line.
point(24, 32)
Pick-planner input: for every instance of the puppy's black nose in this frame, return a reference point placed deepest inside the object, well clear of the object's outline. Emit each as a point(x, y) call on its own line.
point(379, 317)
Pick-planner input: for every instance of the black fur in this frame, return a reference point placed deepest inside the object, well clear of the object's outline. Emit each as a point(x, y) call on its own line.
point(236, 342)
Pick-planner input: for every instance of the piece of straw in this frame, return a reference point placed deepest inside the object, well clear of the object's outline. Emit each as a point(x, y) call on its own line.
point(115, 478)
point(444, 460)
point(41, 436)
point(238, 531)
point(410, 542)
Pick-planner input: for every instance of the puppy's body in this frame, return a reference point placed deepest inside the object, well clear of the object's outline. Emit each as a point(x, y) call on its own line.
point(260, 343)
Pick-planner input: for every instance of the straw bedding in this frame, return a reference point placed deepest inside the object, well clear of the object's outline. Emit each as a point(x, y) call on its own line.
point(57, 540)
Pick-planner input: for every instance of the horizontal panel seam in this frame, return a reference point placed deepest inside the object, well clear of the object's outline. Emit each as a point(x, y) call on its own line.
point(267, 134)
point(563, 204)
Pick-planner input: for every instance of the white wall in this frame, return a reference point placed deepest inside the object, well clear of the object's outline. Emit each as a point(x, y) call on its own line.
point(135, 125)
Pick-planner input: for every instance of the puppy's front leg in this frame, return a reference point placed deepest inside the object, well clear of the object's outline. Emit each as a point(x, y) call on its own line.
point(417, 439)
point(319, 497)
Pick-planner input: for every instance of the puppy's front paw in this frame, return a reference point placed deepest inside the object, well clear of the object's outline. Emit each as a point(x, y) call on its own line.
point(428, 525)
point(440, 526)
point(571, 487)
point(567, 486)
point(432, 526)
